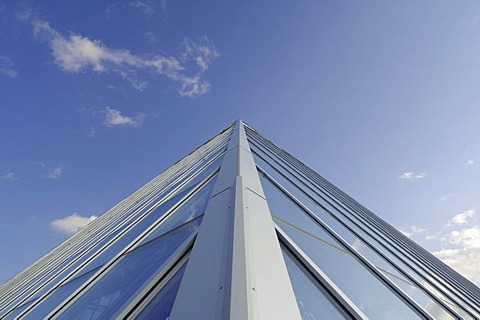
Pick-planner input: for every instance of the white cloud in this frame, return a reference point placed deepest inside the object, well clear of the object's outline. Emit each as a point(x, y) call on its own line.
point(7, 68)
point(416, 229)
point(92, 132)
point(469, 162)
point(412, 176)
point(446, 197)
point(114, 118)
point(464, 253)
point(9, 176)
point(50, 171)
point(430, 237)
point(150, 36)
point(55, 173)
point(406, 233)
point(71, 224)
point(146, 8)
point(202, 55)
point(461, 218)
point(75, 53)
point(413, 230)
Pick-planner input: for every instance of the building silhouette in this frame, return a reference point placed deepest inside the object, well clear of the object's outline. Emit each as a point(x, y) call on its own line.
point(239, 229)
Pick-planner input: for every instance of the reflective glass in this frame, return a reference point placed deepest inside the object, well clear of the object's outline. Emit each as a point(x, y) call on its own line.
point(18, 310)
point(414, 292)
point(124, 240)
point(57, 296)
point(134, 232)
point(118, 245)
point(192, 208)
point(313, 301)
point(160, 307)
point(206, 172)
point(120, 285)
point(348, 273)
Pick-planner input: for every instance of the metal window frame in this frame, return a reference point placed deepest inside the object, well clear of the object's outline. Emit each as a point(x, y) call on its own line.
point(127, 228)
point(126, 225)
point(366, 220)
point(78, 241)
point(363, 261)
point(110, 264)
point(341, 298)
point(413, 281)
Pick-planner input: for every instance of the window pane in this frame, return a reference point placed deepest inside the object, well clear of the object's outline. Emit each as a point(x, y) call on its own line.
point(18, 310)
point(57, 296)
point(111, 293)
point(313, 301)
point(413, 291)
point(347, 272)
point(160, 307)
point(191, 209)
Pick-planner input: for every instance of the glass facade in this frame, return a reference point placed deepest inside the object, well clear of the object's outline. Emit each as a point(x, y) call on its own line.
point(336, 259)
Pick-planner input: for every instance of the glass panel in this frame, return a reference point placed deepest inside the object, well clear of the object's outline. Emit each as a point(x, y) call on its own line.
point(133, 233)
point(197, 179)
point(160, 307)
point(57, 297)
point(413, 291)
point(206, 172)
point(128, 237)
point(191, 209)
point(120, 285)
point(348, 273)
point(313, 301)
point(19, 310)
point(119, 244)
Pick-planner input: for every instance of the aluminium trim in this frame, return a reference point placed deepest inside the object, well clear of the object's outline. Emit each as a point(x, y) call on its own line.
point(269, 152)
point(110, 264)
point(348, 306)
point(413, 305)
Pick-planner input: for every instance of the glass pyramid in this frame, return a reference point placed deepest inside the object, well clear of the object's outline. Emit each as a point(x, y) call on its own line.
point(239, 229)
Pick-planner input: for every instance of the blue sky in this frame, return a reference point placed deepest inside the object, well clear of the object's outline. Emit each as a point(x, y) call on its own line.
point(98, 97)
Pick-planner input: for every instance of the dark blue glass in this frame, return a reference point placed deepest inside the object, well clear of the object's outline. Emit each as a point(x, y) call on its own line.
point(120, 285)
point(358, 243)
point(18, 310)
point(134, 232)
point(57, 297)
point(189, 210)
point(366, 290)
point(160, 307)
point(313, 301)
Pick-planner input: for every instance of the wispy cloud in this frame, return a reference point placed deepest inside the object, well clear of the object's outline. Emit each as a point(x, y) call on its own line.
point(71, 224)
point(410, 175)
point(462, 217)
point(150, 7)
point(50, 171)
point(114, 118)
point(469, 162)
point(55, 173)
point(147, 9)
point(463, 254)
point(202, 55)
point(7, 68)
point(413, 230)
point(150, 36)
point(9, 176)
point(75, 53)
point(445, 197)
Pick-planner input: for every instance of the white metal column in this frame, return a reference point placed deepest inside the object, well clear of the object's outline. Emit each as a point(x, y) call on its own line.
point(236, 269)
